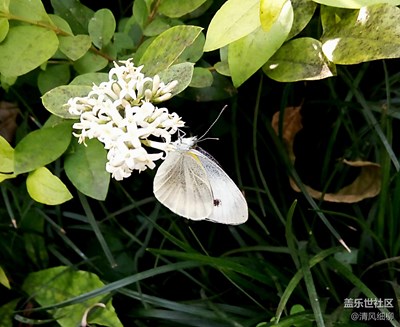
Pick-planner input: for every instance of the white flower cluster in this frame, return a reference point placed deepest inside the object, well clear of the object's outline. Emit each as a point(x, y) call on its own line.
point(121, 114)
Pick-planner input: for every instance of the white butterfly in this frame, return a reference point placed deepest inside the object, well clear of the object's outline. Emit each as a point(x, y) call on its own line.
point(191, 183)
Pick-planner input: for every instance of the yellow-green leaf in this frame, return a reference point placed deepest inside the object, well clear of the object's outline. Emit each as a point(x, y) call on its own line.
point(32, 10)
point(85, 167)
point(3, 279)
point(90, 62)
point(251, 52)
point(303, 11)
point(178, 8)
point(25, 48)
point(355, 4)
point(58, 284)
point(56, 99)
point(370, 33)
point(234, 20)
point(167, 47)
point(4, 28)
point(180, 72)
point(4, 6)
point(74, 47)
point(44, 187)
point(7, 156)
point(299, 59)
point(7, 160)
point(269, 12)
point(33, 151)
point(202, 77)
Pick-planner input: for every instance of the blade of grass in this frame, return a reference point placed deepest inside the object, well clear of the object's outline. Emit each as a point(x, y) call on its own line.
point(115, 286)
point(290, 238)
point(297, 278)
point(95, 227)
point(197, 309)
point(370, 118)
point(219, 263)
point(311, 289)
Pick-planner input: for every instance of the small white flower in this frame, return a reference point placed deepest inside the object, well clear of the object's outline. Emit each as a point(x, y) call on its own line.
point(121, 114)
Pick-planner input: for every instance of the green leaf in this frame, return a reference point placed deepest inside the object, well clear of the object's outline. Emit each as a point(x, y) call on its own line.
point(157, 26)
point(7, 312)
point(44, 187)
point(4, 6)
point(298, 60)
point(355, 4)
point(61, 23)
point(89, 79)
point(58, 284)
point(303, 12)
point(3, 279)
point(102, 27)
point(53, 76)
point(25, 48)
point(167, 47)
point(3, 177)
point(122, 41)
point(193, 52)
point(251, 52)
point(368, 34)
point(76, 14)
point(7, 81)
point(33, 151)
point(56, 99)
point(75, 46)
point(178, 8)
point(221, 89)
point(234, 20)
point(222, 67)
point(90, 62)
point(4, 28)
point(269, 12)
point(7, 156)
point(32, 10)
point(140, 12)
point(181, 72)
point(7, 160)
point(202, 77)
point(85, 167)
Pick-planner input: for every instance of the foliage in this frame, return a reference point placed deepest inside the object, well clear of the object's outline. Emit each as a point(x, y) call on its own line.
point(78, 247)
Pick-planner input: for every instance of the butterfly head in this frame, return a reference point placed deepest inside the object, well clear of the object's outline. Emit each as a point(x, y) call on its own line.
point(185, 143)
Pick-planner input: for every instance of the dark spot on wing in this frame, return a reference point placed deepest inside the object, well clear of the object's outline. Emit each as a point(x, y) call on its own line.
point(217, 202)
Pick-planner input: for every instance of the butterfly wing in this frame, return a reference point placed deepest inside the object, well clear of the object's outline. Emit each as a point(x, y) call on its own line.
point(230, 206)
point(181, 184)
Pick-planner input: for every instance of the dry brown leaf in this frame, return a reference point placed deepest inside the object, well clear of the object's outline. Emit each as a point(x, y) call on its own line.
point(366, 185)
point(8, 120)
point(290, 126)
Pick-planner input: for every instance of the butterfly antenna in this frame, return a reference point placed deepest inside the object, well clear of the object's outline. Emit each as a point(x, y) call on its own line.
point(211, 126)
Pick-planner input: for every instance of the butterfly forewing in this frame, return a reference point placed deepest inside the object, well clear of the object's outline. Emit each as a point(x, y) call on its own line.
point(229, 204)
point(181, 184)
